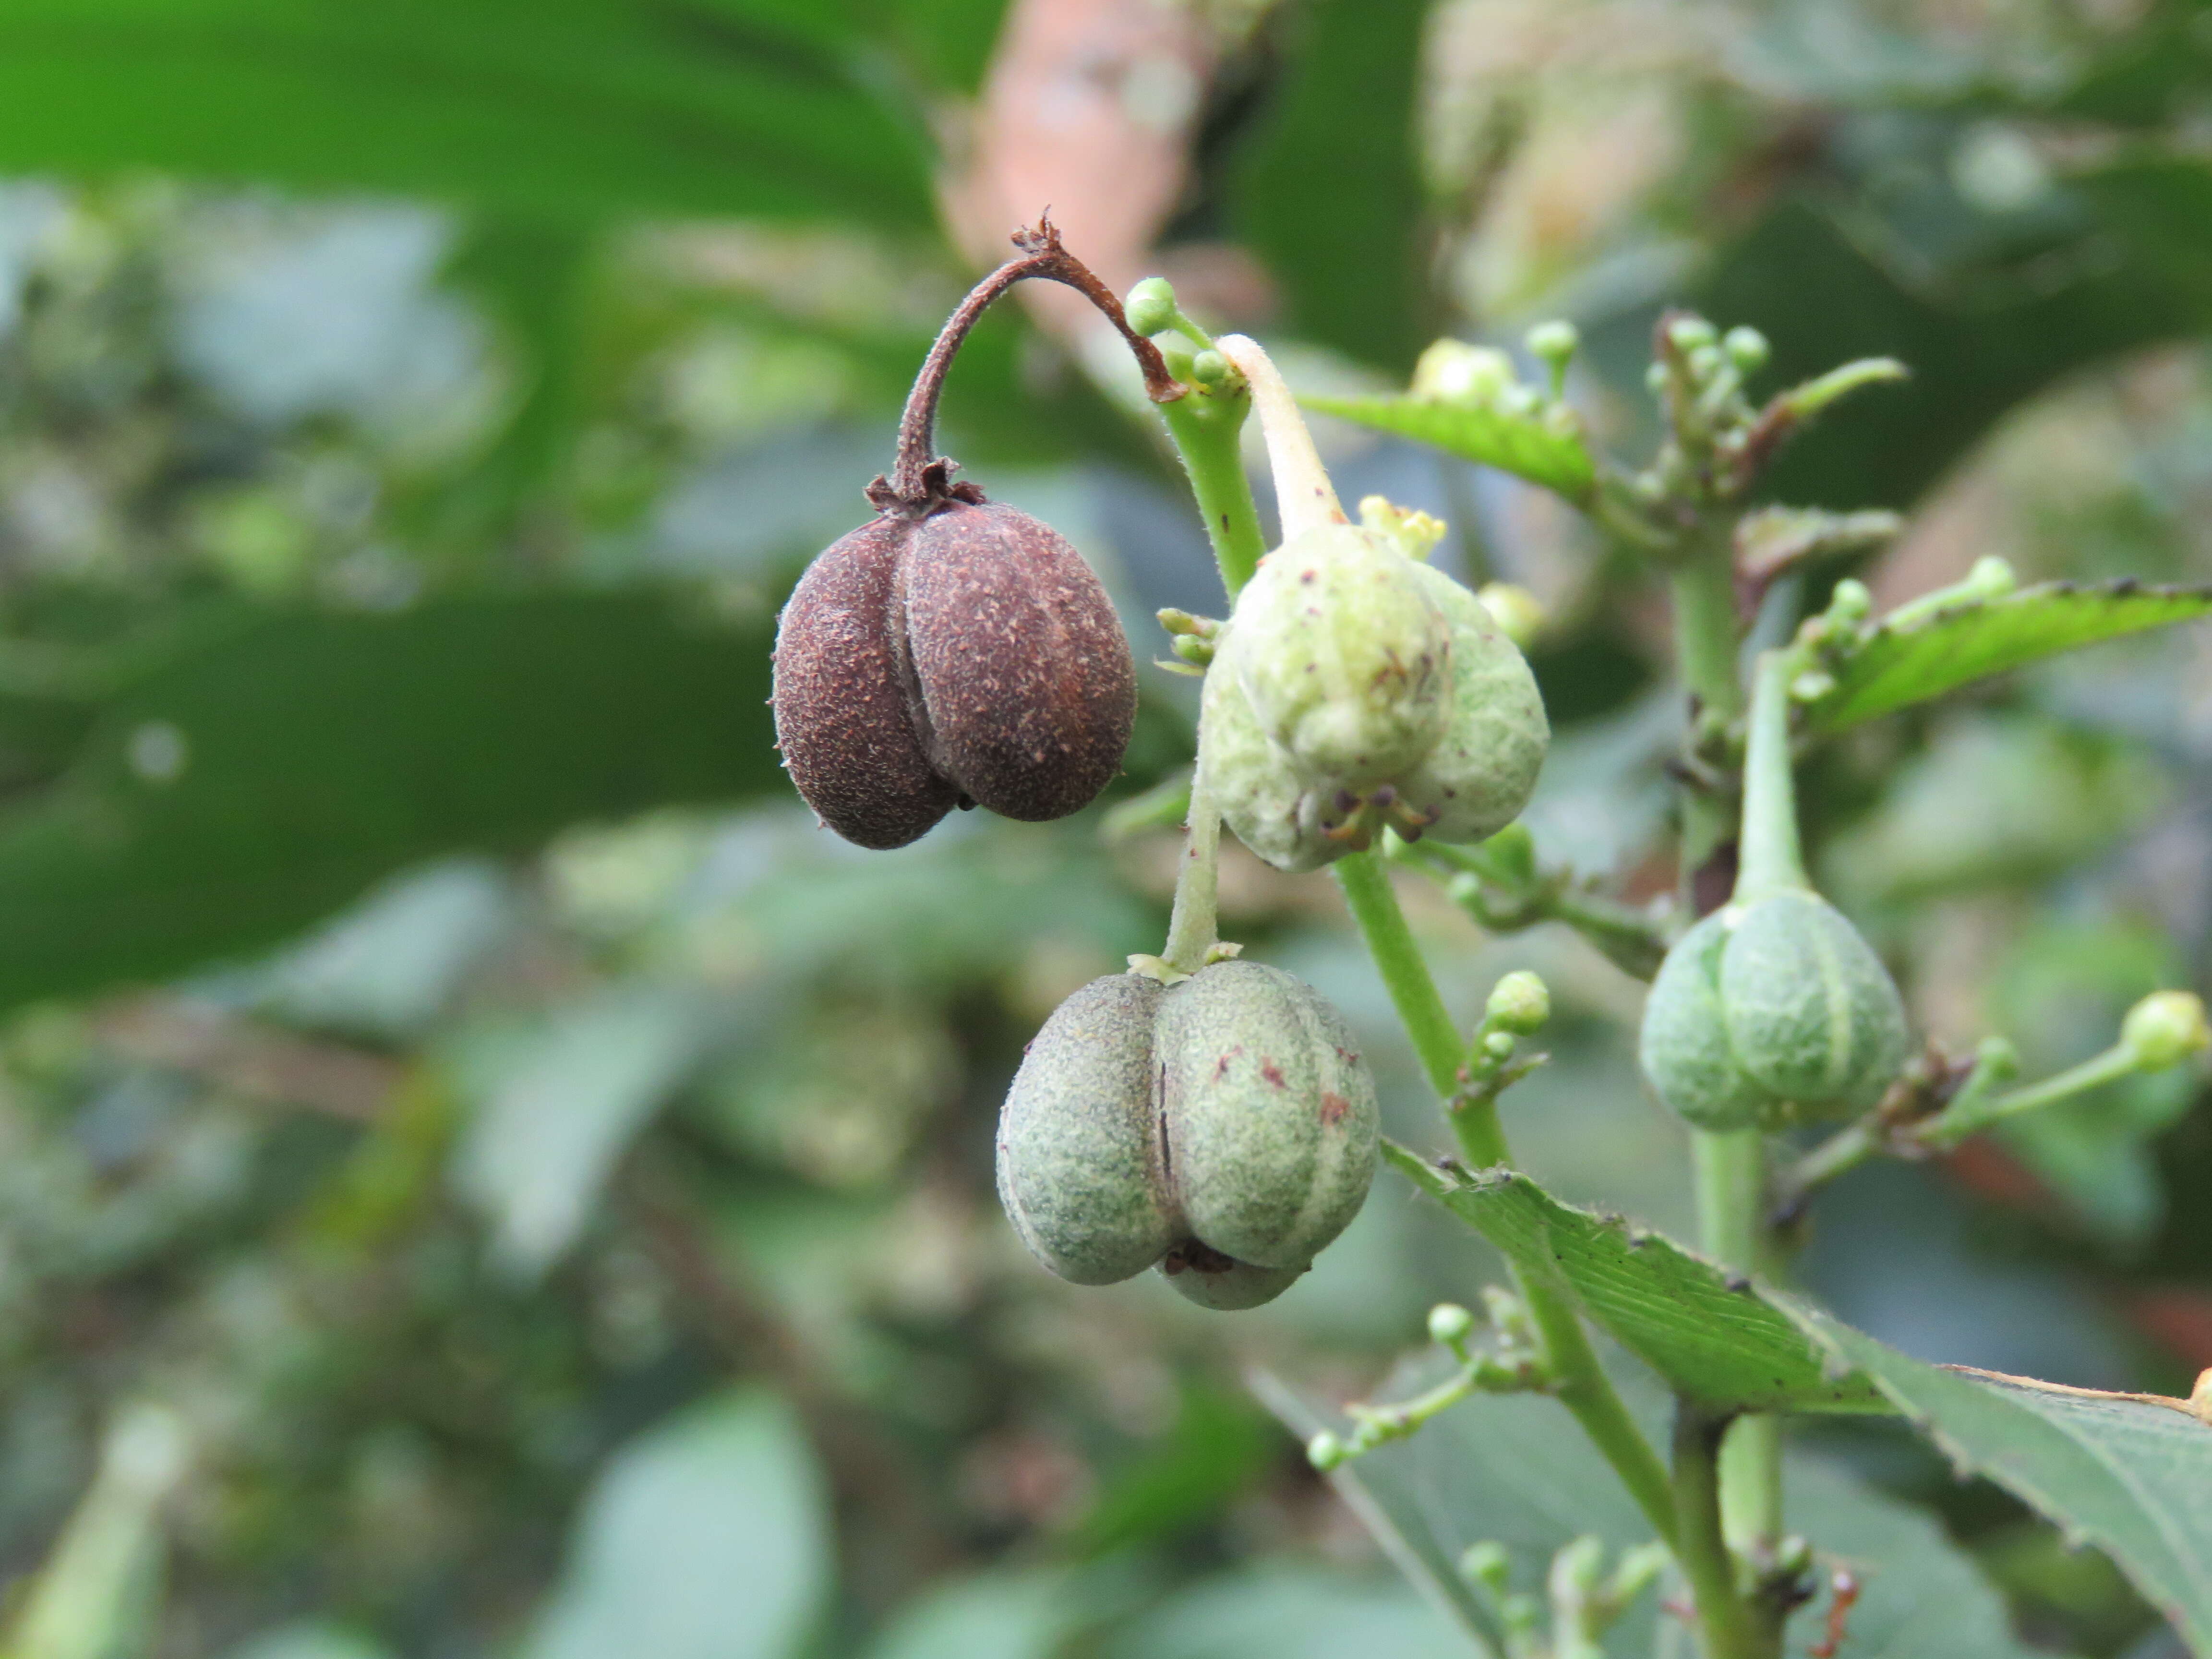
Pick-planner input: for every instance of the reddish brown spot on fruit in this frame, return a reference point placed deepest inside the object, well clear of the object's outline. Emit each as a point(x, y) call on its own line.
point(1334, 1107)
point(1272, 1072)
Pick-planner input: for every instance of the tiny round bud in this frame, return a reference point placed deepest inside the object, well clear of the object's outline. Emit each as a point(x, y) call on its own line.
point(1554, 342)
point(1152, 306)
point(1325, 1451)
point(1991, 578)
point(1450, 1323)
point(1489, 1566)
point(1705, 362)
point(1519, 1003)
point(1689, 333)
point(1498, 1045)
point(1747, 348)
point(1852, 601)
point(1193, 648)
point(1655, 379)
point(2165, 1028)
point(1209, 367)
point(1520, 614)
point(1452, 371)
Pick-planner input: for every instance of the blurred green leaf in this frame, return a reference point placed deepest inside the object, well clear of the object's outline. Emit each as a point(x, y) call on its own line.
point(2133, 1477)
point(562, 109)
point(996, 1615)
point(1330, 193)
point(1284, 1612)
point(311, 1641)
point(1219, 1443)
point(1942, 650)
point(705, 1538)
point(255, 783)
point(1996, 800)
point(1728, 1348)
point(1520, 443)
point(551, 1128)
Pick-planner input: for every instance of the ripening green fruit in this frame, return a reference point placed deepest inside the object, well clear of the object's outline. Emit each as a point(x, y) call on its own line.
point(1269, 1111)
point(1080, 1154)
point(1354, 687)
point(1771, 1014)
point(1225, 1130)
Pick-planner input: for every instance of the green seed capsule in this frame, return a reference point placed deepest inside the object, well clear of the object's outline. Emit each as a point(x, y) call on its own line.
point(1355, 688)
point(1225, 1130)
point(1080, 1149)
point(1270, 1114)
point(1773, 1013)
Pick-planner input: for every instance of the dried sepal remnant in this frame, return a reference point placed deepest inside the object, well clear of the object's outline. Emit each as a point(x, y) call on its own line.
point(1224, 1129)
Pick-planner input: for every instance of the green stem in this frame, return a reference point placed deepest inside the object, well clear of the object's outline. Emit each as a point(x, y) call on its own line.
point(1706, 637)
point(1731, 1189)
point(1972, 1114)
point(1581, 1385)
point(1724, 1617)
point(1770, 859)
point(1194, 926)
point(1206, 426)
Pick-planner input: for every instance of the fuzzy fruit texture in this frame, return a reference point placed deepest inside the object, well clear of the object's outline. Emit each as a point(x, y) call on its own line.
point(964, 657)
point(1773, 1013)
point(1224, 1129)
point(1354, 687)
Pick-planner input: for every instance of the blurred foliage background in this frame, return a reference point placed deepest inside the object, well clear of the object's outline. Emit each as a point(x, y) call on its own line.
point(482, 1174)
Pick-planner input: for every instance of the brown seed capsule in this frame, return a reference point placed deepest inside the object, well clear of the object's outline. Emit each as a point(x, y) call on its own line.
point(955, 651)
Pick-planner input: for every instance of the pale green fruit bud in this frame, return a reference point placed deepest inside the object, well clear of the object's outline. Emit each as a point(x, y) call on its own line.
point(1343, 655)
point(1078, 1150)
point(1325, 1451)
point(1498, 1045)
point(1453, 371)
point(1269, 1112)
point(1688, 334)
point(1519, 613)
point(1773, 1013)
point(1225, 1286)
point(1489, 1565)
point(1747, 348)
point(1151, 306)
point(1519, 1003)
point(1209, 368)
point(1553, 343)
point(1450, 1323)
point(2165, 1028)
point(1991, 578)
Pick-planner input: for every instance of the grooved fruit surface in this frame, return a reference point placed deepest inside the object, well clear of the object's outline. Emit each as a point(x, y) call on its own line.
point(1482, 768)
point(841, 716)
point(1343, 656)
point(1258, 792)
point(1079, 1150)
point(1270, 1111)
point(1024, 692)
point(1812, 1013)
point(1684, 1041)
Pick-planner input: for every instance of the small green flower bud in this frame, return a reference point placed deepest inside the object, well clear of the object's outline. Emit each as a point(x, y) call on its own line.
point(1655, 379)
point(1747, 348)
point(1851, 602)
point(1325, 1451)
point(1209, 368)
point(1453, 371)
point(1705, 362)
point(1193, 648)
point(1152, 306)
point(1688, 334)
point(1450, 1323)
point(1489, 1565)
point(2165, 1028)
point(1554, 342)
point(1519, 1003)
point(1498, 1045)
point(1519, 613)
point(1991, 578)
point(1577, 1572)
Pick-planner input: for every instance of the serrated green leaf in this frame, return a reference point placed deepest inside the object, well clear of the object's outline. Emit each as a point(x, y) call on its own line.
point(1945, 649)
point(267, 774)
point(1518, 444)
point(2128, 1472)
point(1728, 1348)
point(561, 108)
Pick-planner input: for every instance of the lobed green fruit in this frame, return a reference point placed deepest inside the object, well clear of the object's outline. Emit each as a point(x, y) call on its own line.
point(1225, 1130)
point(1081, 1170)
point(1354, 687)
point(1773, 1013)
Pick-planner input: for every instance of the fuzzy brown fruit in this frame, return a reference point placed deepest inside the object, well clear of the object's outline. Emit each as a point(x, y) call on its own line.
point(966, 656)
